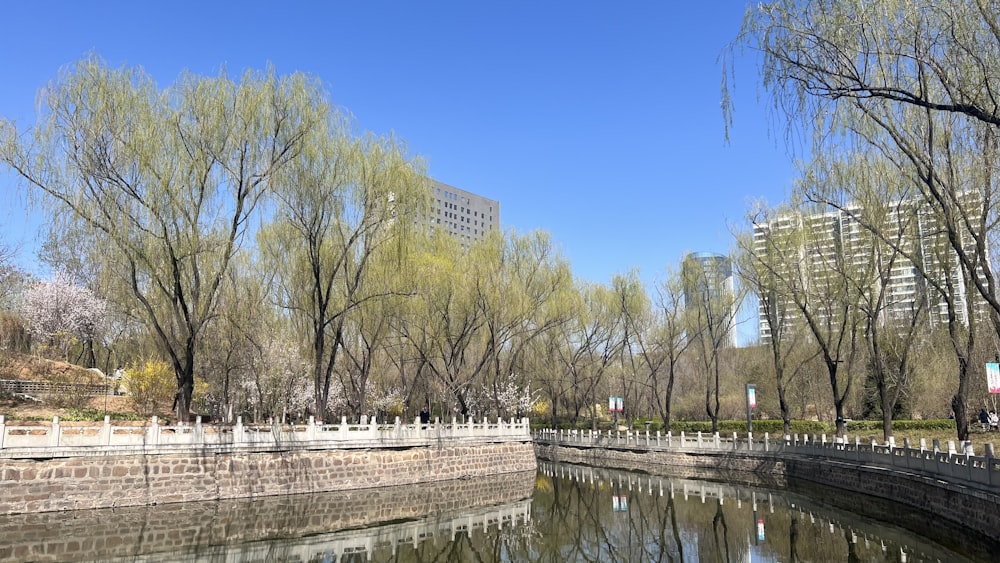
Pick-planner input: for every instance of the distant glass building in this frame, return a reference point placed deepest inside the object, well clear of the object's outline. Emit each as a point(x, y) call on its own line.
point(707, 275)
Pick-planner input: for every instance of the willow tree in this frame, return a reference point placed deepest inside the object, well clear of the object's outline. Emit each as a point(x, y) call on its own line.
point(892, 239)
point(592, 343)
point(710, 303)
point(636, 359)
point(340, 203)
point(522, 288)
point(165, 180)
point(443, 325)
point(764, 264)
point(917, 81)
point(670, 337)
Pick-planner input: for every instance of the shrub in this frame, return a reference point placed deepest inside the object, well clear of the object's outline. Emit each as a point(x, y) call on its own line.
point(14, 335)
point(150, 386)
point(89, 414)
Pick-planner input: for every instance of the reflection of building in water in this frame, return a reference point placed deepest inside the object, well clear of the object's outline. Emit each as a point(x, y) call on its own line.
point(761, 517)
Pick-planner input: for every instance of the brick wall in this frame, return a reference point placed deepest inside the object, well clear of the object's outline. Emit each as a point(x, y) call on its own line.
point(100, 482)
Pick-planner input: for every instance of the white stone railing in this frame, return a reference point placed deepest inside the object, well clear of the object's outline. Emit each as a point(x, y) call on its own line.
point(59, 440)
point(954, 465)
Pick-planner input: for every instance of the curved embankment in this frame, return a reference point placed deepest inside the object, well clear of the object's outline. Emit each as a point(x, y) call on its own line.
point(294, 528)
point(940, 504)
point(104, 481)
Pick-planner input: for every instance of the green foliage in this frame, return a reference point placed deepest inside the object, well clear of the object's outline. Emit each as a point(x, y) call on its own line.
point(150, 386)
point(88, 414)
point(866, 426)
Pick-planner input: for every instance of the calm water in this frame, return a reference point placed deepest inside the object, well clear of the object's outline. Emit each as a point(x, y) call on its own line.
point(562, 513)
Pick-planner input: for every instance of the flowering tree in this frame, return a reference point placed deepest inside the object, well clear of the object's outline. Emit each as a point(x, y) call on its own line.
point(514, 398)
point(390, 402)
point(58, 311)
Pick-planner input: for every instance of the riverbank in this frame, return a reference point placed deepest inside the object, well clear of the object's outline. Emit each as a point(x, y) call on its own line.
point(248, 529)
point(111, 466)
point(960, 506)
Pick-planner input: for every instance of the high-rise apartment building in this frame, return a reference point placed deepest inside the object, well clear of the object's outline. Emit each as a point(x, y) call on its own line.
point(708, 283)
point(836, 239)
point(463, 214)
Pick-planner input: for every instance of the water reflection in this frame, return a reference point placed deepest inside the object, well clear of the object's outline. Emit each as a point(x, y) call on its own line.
point(387, 524)
point(673, 519)
point(562, 513)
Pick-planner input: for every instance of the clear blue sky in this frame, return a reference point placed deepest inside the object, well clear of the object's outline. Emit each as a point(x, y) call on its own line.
point(598, 122)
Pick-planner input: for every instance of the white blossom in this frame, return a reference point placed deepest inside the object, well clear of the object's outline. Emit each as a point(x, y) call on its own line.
point(59, 306)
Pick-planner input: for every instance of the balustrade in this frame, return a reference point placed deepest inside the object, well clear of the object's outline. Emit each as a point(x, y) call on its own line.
point(955, 465)
point(59, 440)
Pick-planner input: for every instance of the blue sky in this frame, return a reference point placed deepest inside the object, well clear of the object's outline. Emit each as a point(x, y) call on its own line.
point(598, 122)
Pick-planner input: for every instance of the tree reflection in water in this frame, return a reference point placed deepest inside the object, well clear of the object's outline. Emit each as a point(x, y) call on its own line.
point(564, 513)
point(673, 519)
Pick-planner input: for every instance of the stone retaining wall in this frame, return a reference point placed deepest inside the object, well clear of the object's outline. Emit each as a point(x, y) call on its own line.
point(194, 528)
point(100, 482)
point(957, 505)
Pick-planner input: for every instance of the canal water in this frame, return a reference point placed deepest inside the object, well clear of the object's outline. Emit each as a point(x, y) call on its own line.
point(561, 513)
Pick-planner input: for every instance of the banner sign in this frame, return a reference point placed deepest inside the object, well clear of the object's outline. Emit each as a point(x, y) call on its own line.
point(993, 377)
point(752, 396)
point(621, 405)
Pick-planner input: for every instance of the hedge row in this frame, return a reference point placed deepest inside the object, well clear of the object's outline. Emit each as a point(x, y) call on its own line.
point(771, 426)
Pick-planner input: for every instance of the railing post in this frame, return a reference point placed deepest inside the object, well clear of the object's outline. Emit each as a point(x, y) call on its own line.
point(54, 433)
point(699, 439)
point(749, 441)
point(199, 432)
point(766, 440)
point(310, 428)
point(3, 430)
point(238, 430)
point(987, 453)
point(105, 432)
point(736, 441)
point(154, 431)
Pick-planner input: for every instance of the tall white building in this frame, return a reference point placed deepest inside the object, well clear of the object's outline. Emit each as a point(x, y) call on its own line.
point(836, 237)
point(463, 214)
